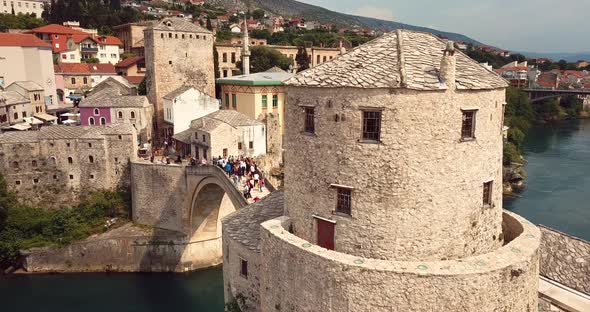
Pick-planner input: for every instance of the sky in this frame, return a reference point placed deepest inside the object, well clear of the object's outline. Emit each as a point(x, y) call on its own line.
point(517, 25)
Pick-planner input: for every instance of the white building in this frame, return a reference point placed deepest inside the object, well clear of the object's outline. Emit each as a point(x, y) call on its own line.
point(223, 133)
point(185, 104)
point(24, 57)
point(86, 46)
point(22, 7)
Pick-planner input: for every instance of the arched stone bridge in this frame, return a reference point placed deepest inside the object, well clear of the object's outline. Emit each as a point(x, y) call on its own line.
point(190, 201)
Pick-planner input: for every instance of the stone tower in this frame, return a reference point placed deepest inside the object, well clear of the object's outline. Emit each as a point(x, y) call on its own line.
point(177, 53)
point(393, 191)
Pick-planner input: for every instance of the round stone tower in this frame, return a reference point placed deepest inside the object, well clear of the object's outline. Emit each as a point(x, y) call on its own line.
point(399, 146)
point(393, 188)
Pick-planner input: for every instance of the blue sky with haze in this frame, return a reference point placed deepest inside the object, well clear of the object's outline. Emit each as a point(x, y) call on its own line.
point(518, 25)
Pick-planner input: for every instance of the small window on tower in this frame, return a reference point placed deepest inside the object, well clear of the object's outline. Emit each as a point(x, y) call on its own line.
point(372, 126)
point(343, 202)
point(487, 193)
point(309, 126)
point(468, 125)
point(243, 268)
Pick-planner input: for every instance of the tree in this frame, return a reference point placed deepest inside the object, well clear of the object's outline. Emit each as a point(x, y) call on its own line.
point(92, 60)
point(302, 58)
point(115, 5)
point(264, 58)
point(258, 14)
point(142, 87)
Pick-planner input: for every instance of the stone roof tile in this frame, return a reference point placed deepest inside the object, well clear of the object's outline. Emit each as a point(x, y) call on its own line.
point(398, 59)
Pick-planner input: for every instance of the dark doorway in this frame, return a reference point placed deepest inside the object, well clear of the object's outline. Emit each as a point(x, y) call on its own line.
point(325, 234)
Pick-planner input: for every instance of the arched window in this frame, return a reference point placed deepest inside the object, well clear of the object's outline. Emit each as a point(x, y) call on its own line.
point(34, 163)
point(70, 160)
point(120, 114)
point(90, 159)
point(15, 116)
point(132, 115)
point(52, 161)
point(96, 112)
point(91, 121)
point(103, 121)
point(15, 164)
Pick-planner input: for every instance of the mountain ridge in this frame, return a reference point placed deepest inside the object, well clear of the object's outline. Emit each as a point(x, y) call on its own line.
point(311, 12)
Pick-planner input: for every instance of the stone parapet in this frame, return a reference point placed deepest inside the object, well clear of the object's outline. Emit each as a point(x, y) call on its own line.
point(307, 277)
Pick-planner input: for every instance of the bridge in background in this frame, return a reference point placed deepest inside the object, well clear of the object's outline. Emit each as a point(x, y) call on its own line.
point(537, 95)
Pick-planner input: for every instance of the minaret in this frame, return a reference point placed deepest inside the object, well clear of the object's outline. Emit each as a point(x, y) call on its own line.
point(246, 50)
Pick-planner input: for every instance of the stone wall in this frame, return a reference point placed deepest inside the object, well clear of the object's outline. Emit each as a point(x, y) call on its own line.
point(54, 171)
point(418, 192)
point(127, 249)
point(234, 283)
point(304, 277)
point(565, 259)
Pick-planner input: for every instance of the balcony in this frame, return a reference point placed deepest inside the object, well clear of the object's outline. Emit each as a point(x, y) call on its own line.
point(89, 50)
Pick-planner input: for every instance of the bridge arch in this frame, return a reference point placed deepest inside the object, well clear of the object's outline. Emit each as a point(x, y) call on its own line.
point(211, 202)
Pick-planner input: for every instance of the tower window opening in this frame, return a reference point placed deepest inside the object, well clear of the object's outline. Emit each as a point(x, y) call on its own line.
point(309, 126)
point(372, 126)
point(343, 200)
point(468, 125)
point(487, 193)
point(243, 268)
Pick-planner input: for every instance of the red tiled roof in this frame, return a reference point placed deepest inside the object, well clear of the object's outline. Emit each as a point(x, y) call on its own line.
point(56, 29)
point(134, 79)
point(576, 73)
point(106, 40)
point(22, 40)
point(84, 68)
point(587, 85)
point(129, 61)
point(546, 84)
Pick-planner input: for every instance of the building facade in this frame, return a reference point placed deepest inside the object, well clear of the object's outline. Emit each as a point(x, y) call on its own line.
point(177, 53)
point(222, 134)
point(131, 35)
point(256, 95)
point(32, 7)
point(118, 105)
point(74, 80)
point(81, 47)
point(31, 91)
point(393, 191)
point(230, 53)
point(57, 164)
point(26, 58)
point(184, 105)
point(13, 108)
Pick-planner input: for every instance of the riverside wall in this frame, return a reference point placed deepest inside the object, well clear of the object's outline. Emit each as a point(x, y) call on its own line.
point(127, 249)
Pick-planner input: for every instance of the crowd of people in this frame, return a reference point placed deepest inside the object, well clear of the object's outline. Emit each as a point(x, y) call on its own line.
point(242, 170)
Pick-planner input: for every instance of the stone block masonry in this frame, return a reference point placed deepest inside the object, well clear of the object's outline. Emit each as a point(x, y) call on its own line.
point(52, 167)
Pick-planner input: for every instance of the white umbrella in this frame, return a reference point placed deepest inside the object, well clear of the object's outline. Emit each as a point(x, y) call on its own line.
point(68, 115)
point(69, 121)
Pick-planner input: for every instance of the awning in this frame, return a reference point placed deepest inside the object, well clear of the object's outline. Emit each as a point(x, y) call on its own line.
point(33, 121)
point(21, 127)
point(69, 121)
point(74, 97)
point(45, 117)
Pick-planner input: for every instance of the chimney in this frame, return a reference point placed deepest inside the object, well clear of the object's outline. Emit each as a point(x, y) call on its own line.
point(448, 65)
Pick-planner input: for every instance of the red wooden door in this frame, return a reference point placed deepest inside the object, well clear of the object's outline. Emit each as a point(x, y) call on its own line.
point(325, 234)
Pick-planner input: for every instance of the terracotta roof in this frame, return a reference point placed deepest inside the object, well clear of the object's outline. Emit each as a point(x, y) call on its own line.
point(136, 80)
point(576, 73)
point(129, 61)
point(56, 29)
point(400, 59)
point(22, 40)
point(105, 40)
point(85, 68)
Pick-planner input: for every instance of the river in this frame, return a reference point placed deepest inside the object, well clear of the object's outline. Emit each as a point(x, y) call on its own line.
point(557, 192)
point(557, 195)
